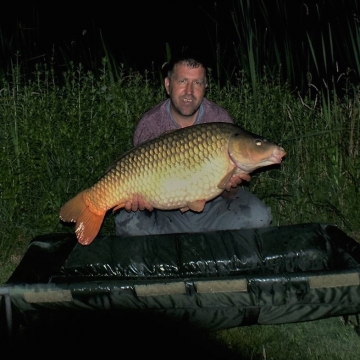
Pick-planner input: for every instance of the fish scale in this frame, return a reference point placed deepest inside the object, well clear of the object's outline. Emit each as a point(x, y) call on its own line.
point(158, 172)
point(181, 169)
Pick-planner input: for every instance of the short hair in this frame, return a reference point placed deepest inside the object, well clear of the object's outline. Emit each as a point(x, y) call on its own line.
point(191, 60)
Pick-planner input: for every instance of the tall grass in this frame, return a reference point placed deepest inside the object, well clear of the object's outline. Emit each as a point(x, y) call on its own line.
point(57, 140)
point(308, 52)
point(308, 43)
point(320, 173)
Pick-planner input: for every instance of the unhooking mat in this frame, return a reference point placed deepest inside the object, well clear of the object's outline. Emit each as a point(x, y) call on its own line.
point(214, 280)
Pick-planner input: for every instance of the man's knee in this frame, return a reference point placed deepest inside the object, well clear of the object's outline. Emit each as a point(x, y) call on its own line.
point(244, 211)
point(133, 223)
point(261, 215)
point(252, 212)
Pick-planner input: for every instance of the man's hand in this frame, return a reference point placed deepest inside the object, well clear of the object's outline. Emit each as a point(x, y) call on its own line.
point(237, 179)
point(231, 186)
point(137, 203)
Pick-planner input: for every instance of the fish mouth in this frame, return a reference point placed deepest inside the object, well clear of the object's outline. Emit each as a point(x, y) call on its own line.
point(249, 166)
point(276, 157)
point(278, 154)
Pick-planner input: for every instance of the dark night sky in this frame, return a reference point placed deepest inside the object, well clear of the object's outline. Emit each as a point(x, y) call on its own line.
point(134, 30)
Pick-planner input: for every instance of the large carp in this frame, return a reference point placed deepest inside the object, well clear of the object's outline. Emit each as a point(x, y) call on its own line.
point(182, 169)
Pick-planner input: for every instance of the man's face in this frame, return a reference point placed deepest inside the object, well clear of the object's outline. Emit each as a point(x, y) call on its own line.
point(186, 89)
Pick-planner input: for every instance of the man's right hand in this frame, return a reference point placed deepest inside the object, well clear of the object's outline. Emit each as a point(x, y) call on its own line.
point(137, 203)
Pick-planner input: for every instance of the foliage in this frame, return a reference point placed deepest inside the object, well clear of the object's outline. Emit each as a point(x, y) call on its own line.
point(322, 339)
point(57, 140)
point(321, 170)
point(311, 44)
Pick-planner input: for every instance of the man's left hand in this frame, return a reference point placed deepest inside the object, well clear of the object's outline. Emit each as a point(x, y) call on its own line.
point(236, 180)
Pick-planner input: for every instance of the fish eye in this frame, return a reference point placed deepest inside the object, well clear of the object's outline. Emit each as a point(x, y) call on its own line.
point(258, 142)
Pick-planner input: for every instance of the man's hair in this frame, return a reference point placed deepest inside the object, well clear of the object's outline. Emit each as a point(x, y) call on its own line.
point(191, 60)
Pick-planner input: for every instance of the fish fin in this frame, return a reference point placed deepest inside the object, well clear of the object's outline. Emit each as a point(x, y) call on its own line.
point(197, 205)
point(88, 226)
point(184, 209)
point(223, 182)
point(88, 222)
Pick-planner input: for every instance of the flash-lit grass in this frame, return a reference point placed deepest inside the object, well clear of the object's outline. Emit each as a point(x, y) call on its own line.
point(321, 339)
point(59, 139)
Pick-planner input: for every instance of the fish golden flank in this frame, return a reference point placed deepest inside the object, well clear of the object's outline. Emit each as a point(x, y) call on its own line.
point(182, 169)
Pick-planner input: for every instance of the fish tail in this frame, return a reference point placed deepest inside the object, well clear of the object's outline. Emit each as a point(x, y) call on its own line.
point(88, 222)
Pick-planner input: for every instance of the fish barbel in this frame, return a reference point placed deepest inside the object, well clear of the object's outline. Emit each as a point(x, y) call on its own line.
point(181, 169)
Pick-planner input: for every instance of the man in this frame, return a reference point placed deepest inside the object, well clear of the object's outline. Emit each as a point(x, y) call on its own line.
point(236, 208)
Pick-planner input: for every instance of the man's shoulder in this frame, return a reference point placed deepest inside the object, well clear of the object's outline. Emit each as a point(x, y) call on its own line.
point(153, 123)
point(210, 105)
point(214, 110)
point(159, 109)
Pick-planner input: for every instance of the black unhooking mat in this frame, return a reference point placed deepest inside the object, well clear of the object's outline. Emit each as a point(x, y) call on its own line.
point(214, 280)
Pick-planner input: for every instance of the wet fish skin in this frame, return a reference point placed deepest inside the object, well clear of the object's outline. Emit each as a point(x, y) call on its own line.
point(182, 169)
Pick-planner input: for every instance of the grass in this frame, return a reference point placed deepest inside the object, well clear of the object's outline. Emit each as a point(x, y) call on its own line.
point(59, 139)
point(309, 340)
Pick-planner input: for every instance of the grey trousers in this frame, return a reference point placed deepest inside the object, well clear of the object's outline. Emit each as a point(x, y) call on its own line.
point(245, 210)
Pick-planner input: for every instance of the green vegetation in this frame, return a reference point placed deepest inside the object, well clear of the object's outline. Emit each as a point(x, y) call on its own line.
point(60, 130)
point(59, 139)
point(324, 339)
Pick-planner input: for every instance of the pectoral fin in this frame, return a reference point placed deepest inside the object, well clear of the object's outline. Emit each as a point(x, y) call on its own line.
point(197, 205)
